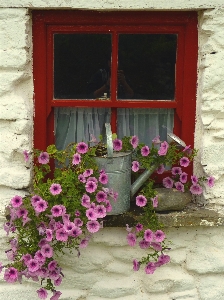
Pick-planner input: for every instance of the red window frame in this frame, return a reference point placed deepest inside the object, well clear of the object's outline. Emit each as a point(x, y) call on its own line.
point(46, 23)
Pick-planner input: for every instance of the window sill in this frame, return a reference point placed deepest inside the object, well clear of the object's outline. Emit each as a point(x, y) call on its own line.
point(190, 216)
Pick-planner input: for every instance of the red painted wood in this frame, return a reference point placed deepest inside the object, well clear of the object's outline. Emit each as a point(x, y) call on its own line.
point(46, 23)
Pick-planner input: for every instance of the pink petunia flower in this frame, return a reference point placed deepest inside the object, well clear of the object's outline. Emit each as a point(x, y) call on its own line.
point(76, 231)
point(82, 147)
point(33, 265)
point(134, 141)
point(139, 227)
point(82, 178)
point(101, 196)
point(179, 186)
point(41, 206)
point(49, 235)
point(141, 201)
point(163, 259)
point(168, 182)
point(85, 201)
point(78, 222)
point(135, 166)
point(39, 257)
point(52, 265)
point(136, 265)
point(84, 243)
point(101, 211)
point(145, 151)
point(55, 189)
point(91, 214)
point(184, 162)
point(93, 226)
point(103, 178)
point(16, 201)
point(161, 169)
point(148, 235)
point(35, 199)
point(26, 155)
point(43, 158)
point(25, 258)
point(56, 295)
point(56, 211)
point(150, 268)
point(42, 293)
point(143, 244)
point(155, 201)
point(76, 159)
point(11, 275)
point(88, 172)
point(22, 212)
point(183, 177)
point(196, 189)
point(131, 239)
point(58, 281)
point(176, 171)
point(47, 250)
point(156, 246)
point(117, 144)
point(159, 236)
point(194, 179)
point(211, 181)
point(163, 148)
point(91, 186)
point(61, 235)
point(108, 206)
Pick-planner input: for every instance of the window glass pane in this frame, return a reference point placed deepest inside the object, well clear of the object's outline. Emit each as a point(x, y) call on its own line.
point(146, 66)
point(81, 65)
point(79, 124)
point(145, 123)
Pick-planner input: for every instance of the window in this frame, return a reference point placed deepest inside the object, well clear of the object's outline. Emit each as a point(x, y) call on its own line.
point(136, 70)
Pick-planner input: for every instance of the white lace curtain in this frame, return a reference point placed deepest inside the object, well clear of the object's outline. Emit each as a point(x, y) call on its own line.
point(77, 124)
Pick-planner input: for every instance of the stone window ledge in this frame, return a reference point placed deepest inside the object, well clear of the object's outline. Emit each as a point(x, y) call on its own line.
point(190, 216)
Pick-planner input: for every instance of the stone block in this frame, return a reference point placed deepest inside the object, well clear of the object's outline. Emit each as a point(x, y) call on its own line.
point(15, 177)
point(211, 287)
point(168, 279)
point(111, 237)
point(185, 295)
point(115, 286)
point(205, 259)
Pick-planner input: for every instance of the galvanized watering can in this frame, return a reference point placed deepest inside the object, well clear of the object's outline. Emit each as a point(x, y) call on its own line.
point(117, 166)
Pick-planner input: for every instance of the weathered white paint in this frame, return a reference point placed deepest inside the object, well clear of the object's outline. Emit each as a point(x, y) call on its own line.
point(104, 270)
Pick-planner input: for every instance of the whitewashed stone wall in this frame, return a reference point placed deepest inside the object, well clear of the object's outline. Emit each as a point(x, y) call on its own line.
point(104, 270)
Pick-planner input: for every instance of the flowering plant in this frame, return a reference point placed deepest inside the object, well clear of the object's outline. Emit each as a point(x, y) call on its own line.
point(69, 201)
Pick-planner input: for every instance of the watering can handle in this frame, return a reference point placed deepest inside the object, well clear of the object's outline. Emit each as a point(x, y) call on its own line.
point(109, 140)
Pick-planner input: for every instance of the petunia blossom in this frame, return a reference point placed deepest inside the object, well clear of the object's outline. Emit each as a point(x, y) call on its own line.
point(93, 226)
point(91, 214)
point(103, 178)
point(134, 141)
point(210, 181)
point(183, 177)
point(91, 186)
point(33, 265)
point(159, 236)
point(155, 201)
point(179, 186)
point(101, 211)
point(136, 265)
point(101, 196)
point(85, 201)
point(35, 199)
point(143, 244)
point(139, 227)
point(88, 172)
point(55, 189)
point(11, 275)
point(61, 235)
point(145, 151)
point(56, 295)
point(150, 268)
point(56, 211)
point(163, 259)
point(82, 147)
point(156, 140)
point(168, 182)
point(43, 158)
point(176, 171)
point(135, 166)
point(16, 201)
point(131, 239)
point(163, 148)
point(76, 159)
point(196, 189)
point(47, 251)
point(42, 293)
point(141, 200)
point(82, 178)
point(148, 235)
point(184, 162)
point(41, 206)
point(117, 144)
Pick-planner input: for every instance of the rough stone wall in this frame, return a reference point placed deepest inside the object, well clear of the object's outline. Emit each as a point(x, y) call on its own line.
point(104, 270)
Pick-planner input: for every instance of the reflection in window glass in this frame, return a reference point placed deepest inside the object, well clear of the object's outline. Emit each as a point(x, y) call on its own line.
point(147, 63)
point(81, 65)
point(145, 123)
